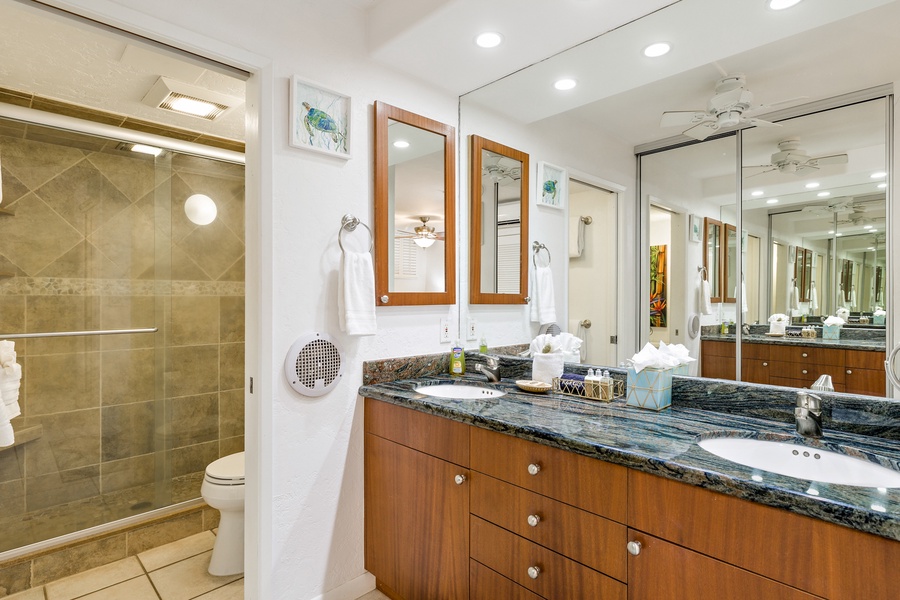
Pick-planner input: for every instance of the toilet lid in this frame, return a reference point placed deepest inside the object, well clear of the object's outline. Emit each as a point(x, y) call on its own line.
point(228, 468)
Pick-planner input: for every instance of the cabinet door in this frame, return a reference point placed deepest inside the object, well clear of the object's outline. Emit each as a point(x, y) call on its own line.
point(755, 370)
point(664, 571)
point(490, 585)
point(417, 523)
point(869, 382)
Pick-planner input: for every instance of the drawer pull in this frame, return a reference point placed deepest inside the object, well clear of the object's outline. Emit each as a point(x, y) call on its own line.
point(849, 372)
point(634, 548)
point(533, 572)
point(534, 468)
point(805, 371)
point(805, 355)
point(765, 364)
point(460, 479)
point(533, 520)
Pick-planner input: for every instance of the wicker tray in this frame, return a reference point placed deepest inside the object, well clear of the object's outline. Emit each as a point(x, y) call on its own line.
point(592, 390)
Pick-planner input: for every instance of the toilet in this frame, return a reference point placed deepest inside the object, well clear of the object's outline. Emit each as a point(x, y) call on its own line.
point(223, 489)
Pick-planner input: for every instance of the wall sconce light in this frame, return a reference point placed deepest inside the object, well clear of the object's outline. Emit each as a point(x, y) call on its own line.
point(200, 209)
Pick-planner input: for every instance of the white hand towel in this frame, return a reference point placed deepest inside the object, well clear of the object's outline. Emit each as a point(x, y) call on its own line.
point(543, 303)
point(544, 367)
point(813, 300)
point(576, 237)
point(744, 307)
point(356, 294)
point(853, 298)
point(705, 295)
point(795, 298)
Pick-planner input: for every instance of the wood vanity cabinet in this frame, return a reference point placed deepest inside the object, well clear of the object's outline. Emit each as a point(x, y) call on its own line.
point(864, 373)
point(417, 511)
point(701, 544)
point(717, 360)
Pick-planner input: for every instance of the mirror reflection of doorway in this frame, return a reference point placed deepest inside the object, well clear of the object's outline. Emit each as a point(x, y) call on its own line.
point(592, 273)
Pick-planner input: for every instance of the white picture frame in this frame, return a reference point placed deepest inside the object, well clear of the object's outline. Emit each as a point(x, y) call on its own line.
point(552, 186)
point(320, 119)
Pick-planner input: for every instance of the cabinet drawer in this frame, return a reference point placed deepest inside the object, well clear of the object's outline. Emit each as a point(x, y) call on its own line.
point(437, 436)
point(821, 558)
point(806, 355)
point(864, 359)
point(558, 577)
point(577, 534)
point(806, 374)
point(485, 584)
point(723, 349)
point(587, 483)
point(757, 351)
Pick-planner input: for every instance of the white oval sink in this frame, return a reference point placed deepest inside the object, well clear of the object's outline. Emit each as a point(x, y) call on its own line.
point(802, 462)
point(457, 392)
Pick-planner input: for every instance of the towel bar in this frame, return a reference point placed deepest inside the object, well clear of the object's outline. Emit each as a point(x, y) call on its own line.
point(20, 336)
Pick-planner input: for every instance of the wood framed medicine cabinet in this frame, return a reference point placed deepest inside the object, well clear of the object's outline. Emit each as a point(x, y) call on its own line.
point(712, 257)
point(498, 250)
point(415, 209)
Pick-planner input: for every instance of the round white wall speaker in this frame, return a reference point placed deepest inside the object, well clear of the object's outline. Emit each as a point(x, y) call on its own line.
point(314, 364)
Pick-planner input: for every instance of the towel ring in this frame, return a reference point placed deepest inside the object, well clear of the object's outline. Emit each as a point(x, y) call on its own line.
point(537, 247)
point(702, 272)
point(350, 223)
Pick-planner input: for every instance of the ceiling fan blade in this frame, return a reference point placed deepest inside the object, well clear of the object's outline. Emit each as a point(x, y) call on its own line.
point(681, 118)
point(768, 105)
point(773, 168)
point(834, 159)
point(701, 131)
point(760, 123)
point(770, 166)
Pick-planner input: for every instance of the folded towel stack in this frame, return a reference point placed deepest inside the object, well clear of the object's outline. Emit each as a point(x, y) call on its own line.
point(544, 367)
point(10, 380)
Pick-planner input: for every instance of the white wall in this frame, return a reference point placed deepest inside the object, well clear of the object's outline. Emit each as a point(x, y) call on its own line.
point(305, 467)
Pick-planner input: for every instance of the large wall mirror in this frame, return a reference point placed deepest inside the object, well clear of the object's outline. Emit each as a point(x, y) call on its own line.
point(415, 209)
point(498, 250)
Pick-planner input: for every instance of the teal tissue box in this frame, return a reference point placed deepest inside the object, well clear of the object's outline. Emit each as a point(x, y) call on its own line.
point(650, 389)
point(878, 319)
point(683, 369)
point(831, 332)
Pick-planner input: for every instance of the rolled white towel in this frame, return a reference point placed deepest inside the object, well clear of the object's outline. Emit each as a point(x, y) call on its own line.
point(544, 367)
point(10, 381)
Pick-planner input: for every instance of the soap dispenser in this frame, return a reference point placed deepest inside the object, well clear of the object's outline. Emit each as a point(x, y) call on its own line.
point(457, 359)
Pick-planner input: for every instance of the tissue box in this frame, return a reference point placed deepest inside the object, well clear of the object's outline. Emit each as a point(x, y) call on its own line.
point(831, 332)
point(682, 369)
point(878, 319)
point(651, 388)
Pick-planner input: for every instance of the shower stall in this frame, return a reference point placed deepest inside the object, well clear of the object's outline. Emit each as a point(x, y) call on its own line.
point(128, 323)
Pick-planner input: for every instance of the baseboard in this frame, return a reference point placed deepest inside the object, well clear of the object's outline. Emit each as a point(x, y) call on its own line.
point(351, 590)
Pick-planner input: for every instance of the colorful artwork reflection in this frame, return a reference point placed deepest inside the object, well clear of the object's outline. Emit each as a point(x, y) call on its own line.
point(658, 287)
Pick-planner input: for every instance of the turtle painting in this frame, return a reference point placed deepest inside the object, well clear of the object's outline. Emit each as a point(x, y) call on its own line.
point(550, 189)
point(319, 122)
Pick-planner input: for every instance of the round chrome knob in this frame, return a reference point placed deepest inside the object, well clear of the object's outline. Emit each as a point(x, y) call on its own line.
point(533, 572)
point(805, 355)
point(384, 299)
point(534, 468)
point(634, 548)
point(460, 479)
point(533, 520)
point(849, 372)
point(805, 371)
point(765, 364)
point(527, 299)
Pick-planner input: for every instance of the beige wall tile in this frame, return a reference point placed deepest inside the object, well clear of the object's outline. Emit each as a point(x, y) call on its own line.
point(128, 376)
point(231, 445)
point(61, 382)
point(192, 370)
point(15, 577)
point(12, 316)
point(194, 320)
point(132, 173)
point(54, 489)
point(12, 497)
point(231, 366)
point(127, 473)
point(60, 313)
point(231, 319)
point(68, 440)
point(231, 413)
point(192, 420)
point(214, 247)
point(84, 197)
point(193, 458)
point(35, 163)
point(210, 518)
point(37, 236)
point(78, 558)
point(128, 240)
point(12, 463)
point(128, 312)
point(152, 536)
point(235, 272)
point(128, 430)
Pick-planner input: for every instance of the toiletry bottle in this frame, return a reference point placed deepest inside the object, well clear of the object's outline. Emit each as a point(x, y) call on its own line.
point(457, 359)
point(606, 386)
point(592, 384)
point(482, 345)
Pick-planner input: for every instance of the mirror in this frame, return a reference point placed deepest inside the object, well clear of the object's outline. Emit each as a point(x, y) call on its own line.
point(712, 241)
point(498, 241)
point(731, 262)
point(415, 209)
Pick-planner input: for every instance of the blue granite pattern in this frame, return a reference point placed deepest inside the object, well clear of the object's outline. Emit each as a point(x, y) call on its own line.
point(664, 443)
point(845, 341)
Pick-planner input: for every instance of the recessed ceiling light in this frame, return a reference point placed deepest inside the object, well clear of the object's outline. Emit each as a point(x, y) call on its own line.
point(772, 201)
point(872, 248)
point(839, 234)
point(823, 194)
point(565, 84)
point(867, 227)
point(881, 186)
point(657, 49)
point(756, 477)
point(878, 175)
point(873, 230)
point(757, 193)
point(489, 39)
point(401, 144)
point(812, 185)
point(782, 4)
point(812, 491)
point(879, 508)
point(145, 149)
point(831, 232)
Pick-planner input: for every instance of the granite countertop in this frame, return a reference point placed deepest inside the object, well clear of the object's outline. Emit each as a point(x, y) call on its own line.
point(873, 345)
point(664, 444)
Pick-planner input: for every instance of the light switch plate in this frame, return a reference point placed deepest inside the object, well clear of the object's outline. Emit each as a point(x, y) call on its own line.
point(445, 331)
point(470, 330)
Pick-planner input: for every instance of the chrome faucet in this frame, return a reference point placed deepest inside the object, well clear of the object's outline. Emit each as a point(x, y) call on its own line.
point(808, 414)
point(490, 368)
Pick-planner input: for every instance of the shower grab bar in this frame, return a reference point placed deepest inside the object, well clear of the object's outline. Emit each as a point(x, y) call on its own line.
point(19, 336)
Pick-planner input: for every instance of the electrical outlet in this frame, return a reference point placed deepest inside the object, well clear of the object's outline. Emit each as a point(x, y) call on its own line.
point(470, 330)
point(445, 331)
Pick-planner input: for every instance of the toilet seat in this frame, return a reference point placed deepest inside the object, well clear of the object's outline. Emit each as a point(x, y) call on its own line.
point(228, 470)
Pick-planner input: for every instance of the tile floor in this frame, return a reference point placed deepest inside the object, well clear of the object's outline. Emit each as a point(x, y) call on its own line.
point(176, 571)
